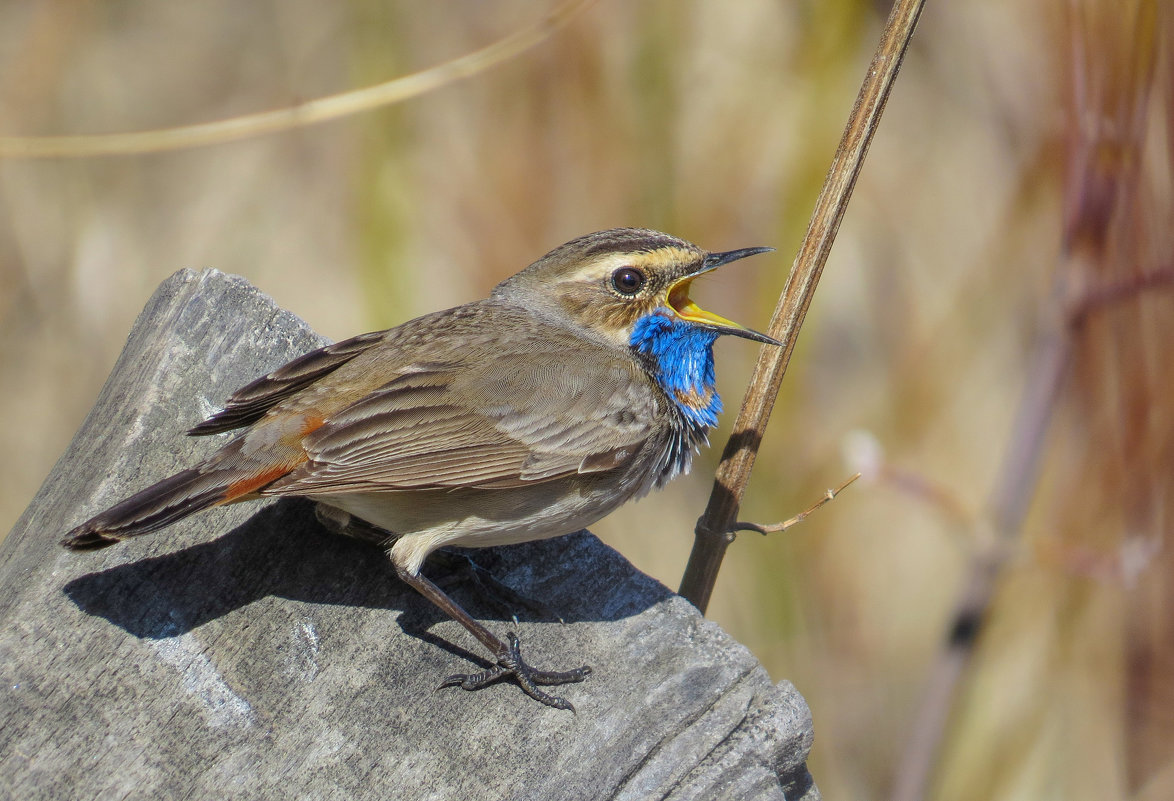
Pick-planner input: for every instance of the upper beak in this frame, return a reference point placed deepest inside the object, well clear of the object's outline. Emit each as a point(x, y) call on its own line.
point(686, 309)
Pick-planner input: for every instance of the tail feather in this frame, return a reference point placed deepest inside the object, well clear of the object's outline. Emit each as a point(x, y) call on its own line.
point(155, 507)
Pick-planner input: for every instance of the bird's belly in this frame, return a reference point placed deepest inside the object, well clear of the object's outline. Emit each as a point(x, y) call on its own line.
point(426, 520)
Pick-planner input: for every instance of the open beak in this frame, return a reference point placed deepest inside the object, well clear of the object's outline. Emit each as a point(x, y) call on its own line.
point(687, 310)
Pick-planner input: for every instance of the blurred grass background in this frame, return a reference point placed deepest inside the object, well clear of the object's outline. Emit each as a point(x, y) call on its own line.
point(1023, 166)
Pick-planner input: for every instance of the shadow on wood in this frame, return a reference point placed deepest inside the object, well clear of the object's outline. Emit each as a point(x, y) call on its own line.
point(246, 652)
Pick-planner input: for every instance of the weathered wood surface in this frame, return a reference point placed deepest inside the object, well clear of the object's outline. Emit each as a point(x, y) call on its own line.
point(247, 653)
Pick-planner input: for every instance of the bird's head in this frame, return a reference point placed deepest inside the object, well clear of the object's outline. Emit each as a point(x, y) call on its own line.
point(612, 283)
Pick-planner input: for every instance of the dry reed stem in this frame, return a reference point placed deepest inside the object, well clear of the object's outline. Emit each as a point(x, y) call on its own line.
point(311, 112)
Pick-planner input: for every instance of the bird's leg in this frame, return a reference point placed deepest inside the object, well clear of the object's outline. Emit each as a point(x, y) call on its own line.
point(336, 521)
point(503, 596)
point(507, 655)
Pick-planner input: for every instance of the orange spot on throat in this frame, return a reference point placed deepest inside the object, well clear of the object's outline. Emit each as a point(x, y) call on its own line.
point(693, 398)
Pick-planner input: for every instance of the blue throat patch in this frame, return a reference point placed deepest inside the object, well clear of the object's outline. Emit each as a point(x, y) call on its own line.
point(683, 355)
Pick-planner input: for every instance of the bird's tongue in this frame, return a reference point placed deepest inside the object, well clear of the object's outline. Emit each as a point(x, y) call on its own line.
point(690, 312)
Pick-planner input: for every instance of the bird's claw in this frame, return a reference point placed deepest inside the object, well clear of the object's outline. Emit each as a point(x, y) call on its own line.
point(528, 678)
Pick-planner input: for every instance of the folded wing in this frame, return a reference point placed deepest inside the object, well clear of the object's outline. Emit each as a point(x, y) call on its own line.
point(490, 420)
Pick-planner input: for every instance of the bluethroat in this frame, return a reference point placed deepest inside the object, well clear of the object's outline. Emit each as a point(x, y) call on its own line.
point(583, 381)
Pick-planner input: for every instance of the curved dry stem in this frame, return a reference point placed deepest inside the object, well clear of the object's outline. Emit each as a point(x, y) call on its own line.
point(314, 111)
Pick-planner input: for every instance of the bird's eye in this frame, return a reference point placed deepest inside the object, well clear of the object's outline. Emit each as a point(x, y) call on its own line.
point(628, 280)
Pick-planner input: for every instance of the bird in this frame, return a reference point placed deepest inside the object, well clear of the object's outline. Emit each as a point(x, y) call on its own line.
point(581, 382)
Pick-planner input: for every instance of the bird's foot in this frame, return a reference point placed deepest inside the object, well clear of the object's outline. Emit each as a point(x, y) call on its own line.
point(528, 678)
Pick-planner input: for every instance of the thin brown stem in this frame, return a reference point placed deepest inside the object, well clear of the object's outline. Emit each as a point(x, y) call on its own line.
point(713, 535)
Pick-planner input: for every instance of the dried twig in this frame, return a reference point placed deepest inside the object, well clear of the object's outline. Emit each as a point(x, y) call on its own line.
point(1109, 294)
point(713, 532)
point(778, 528)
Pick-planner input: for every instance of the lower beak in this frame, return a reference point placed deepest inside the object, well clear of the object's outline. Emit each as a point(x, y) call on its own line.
point(687, 310)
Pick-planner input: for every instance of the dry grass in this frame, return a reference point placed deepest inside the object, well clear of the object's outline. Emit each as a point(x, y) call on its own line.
point(715, 122)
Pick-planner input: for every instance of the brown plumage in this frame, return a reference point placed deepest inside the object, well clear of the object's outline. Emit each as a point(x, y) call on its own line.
point(529, 414)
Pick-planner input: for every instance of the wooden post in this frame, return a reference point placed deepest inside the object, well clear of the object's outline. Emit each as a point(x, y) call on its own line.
point(247, 653)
